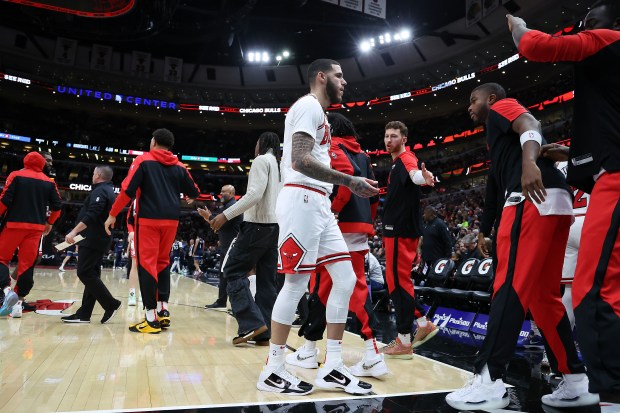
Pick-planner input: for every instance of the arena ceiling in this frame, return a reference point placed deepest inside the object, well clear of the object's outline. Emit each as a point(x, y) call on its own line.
point(221, 32)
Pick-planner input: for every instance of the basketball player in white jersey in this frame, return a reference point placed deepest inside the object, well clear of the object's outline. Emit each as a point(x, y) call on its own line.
point(580, 206)
point(309, 235)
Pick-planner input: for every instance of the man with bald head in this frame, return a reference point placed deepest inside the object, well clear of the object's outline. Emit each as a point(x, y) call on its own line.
point(90, 224)
point(227, 233)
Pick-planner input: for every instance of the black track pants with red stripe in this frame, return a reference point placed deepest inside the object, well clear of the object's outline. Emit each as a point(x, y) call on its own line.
point(27, 240)
point(360, 304)
point(400, 253)
point(530, 254)
point(153, 244)
point(596, 287)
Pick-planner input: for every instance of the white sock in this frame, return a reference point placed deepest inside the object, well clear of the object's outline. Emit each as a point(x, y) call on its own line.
point(486, 375)
point(405, 338)
point(574, 377)
point(309, 346)
point(151, 315)
point(276, 355)
point(422, 322)
point(371, 348)
point(158, 306)
point(333, 353)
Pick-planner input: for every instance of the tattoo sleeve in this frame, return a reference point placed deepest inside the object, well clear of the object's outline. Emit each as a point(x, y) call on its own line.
point(303, 161)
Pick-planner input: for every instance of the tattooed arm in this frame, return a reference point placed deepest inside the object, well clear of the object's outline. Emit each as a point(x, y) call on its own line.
point(303, 161)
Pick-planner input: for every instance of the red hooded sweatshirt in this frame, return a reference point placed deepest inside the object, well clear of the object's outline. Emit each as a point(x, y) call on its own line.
point(355, 214)
point(27, 194)
point(156, 180)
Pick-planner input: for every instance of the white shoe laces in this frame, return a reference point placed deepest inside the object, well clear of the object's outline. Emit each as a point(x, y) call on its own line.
point(562, 392)
point(286, 375)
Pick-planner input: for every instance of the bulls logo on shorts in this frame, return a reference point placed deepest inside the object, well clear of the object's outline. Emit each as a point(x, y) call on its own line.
point(291, 254)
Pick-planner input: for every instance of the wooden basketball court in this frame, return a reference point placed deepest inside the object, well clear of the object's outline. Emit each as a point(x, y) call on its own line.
point(49, 366)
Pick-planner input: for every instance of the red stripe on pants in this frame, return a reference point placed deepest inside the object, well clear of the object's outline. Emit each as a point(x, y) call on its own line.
point(153, 244)
point(28, 242)
point(596, 287)
point(360, 292)
point(529, 269)
point(400, 253)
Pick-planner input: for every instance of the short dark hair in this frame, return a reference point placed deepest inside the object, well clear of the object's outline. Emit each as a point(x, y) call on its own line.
point(269, 140)
point(106, 172)
point(396, 124)
point(163, 137)
point(341, 125)
point(613, 7)
point(431, 209)
point(320, 65)
point(493, 89)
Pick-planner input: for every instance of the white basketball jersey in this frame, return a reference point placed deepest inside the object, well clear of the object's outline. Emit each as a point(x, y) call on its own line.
point(306, 115)
point(581, 199)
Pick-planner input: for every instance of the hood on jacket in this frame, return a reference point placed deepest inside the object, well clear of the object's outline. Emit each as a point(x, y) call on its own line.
point(164, 157)
point(349, 142)
point(34, 161)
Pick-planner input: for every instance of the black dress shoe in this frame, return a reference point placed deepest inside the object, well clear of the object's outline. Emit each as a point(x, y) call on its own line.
point(216, 304)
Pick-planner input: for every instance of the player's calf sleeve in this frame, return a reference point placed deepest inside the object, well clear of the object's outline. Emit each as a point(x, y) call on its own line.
point(343, 279)
point(295, 286)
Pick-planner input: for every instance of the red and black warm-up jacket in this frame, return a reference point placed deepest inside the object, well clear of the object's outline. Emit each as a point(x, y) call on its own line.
point(355, 214)
point(26, 195)
point(156, 180)
point(596, 121)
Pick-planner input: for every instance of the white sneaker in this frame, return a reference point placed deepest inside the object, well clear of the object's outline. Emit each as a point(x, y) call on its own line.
point(477, 395)
point(17, 311)
point(279, 380)
point(339, 377)
point(374, 367)
point(303, 358)
point(571, 393)
point(61, 269)
point(132, 297)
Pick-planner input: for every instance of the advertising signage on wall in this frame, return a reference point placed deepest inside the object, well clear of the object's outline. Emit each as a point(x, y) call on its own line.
point(102, 95)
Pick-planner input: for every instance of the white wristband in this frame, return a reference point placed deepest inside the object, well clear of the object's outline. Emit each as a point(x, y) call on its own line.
point(418, 178)
point(530, 135)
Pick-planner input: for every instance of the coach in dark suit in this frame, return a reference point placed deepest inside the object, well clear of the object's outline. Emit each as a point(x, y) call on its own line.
point(96, 242)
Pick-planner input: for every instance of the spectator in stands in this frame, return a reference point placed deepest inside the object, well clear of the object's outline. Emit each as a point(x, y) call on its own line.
point(470, 248)
point(437, 242)
point(374, 273)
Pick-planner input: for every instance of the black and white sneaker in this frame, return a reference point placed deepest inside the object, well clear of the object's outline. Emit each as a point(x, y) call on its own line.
point(74, 318)
point(339, 377)
point(279, 380)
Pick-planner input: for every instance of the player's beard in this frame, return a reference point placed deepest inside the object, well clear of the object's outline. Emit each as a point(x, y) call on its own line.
point(332, 92)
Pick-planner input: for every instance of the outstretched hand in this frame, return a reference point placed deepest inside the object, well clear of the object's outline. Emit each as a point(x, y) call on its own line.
point(204, 213)
point(428, 176)
point(514, 22)
point(363, 187)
